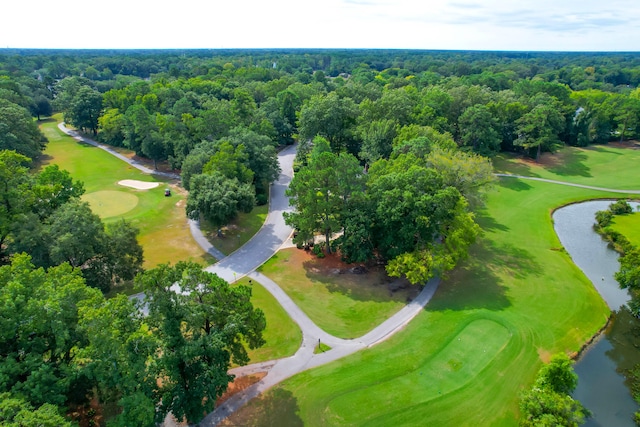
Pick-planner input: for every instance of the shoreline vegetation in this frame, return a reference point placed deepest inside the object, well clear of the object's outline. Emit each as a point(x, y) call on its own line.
point(621, 244)
point(219, 116)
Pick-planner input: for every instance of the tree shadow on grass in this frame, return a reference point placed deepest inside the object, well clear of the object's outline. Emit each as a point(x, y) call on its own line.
point(515, 184)
point(489, 223)
point(603, 149)
point(519, 261)
point(371, 285)
point(476, 284)
point(276, 408)
point(570, 163)
point(472, 285)
point(513, 164)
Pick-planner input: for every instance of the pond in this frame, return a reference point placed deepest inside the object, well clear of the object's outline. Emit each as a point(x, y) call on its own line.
point(601, 386)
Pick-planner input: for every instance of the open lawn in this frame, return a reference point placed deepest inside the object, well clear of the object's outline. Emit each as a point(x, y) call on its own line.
point(342, 303)
point(628, 226)
point(282, 335)
point(164, 231)
point(465, 360)
point(598, 165)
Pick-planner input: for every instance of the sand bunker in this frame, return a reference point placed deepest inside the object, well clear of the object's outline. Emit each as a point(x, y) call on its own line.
point(138, 185)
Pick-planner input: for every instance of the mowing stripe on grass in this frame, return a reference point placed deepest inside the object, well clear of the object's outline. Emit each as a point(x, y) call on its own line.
point(448, 370)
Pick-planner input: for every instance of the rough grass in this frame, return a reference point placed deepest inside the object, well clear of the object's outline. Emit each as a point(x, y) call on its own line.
point(628, 226)
point(164, 232)
point(515, 280)
point(344, 304)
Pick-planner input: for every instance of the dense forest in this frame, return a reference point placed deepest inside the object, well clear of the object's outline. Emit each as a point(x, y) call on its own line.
point(393, 156)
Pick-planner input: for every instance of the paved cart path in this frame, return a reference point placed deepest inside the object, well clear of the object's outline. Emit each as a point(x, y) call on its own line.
point(244, 261)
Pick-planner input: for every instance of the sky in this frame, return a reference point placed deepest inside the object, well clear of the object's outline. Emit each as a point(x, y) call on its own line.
point(522, 25)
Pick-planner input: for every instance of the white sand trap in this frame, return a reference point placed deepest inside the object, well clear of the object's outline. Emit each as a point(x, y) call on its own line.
point(138, 185)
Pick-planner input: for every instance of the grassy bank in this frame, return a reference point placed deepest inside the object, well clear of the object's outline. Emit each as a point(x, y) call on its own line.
point(628, 226)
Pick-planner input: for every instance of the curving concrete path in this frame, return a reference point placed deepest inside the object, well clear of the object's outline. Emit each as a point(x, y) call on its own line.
point(243, 262)
point(271, 237)
point(570, 184)
point(76, 135)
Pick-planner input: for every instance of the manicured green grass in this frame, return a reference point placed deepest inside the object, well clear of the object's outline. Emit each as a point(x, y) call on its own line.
point(282, 335)
point(238, 232)
point(514, 303)
point(110, 203)
point(628, 226)
point(321, 348)
point(345, 305)
point(164, 231)
point(598, 165)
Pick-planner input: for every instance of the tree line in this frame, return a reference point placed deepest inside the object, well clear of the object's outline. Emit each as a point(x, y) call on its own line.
point(166, 105)
point(391, 159)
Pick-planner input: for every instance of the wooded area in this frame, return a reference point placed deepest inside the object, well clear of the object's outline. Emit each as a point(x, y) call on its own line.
point(393, 155)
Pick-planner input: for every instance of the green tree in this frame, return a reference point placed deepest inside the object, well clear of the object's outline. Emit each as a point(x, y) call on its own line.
point(320, 192)
point(110, 127)
point(217, 198)
point(15, 197)
point(194, 162)
point(202, 329)
point(469, 173)
point(539, 129)
point(84, 109)
point(77, 236)
point(478, 130)
point(243, 105)
point(262, 157)
point(53, 187)
point(629, 274)
point(119, 260)
point(18, 131)
point(549, 403)
point(118, 358)
point(230, 162)
point(41, 106)
point(420, 140)
point(377, 140)
point(16, 412)
point(558, 375)
point(422, 226)
point(333, 118)
point(39, 334)
point(154, 147)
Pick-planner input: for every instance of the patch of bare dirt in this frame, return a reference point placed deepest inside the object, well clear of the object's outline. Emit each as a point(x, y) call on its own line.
point(88, 415)
point(358, 273)
point(239, 384)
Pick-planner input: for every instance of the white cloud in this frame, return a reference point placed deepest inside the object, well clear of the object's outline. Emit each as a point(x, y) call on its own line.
point(436, 24)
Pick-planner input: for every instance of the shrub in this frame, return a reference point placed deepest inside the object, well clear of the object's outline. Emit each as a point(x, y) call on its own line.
point(603, 218)
point(318, 250)
point(620, 207)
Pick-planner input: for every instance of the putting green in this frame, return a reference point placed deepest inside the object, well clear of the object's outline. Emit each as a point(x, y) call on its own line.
point(464, 357)
point(107, 204)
